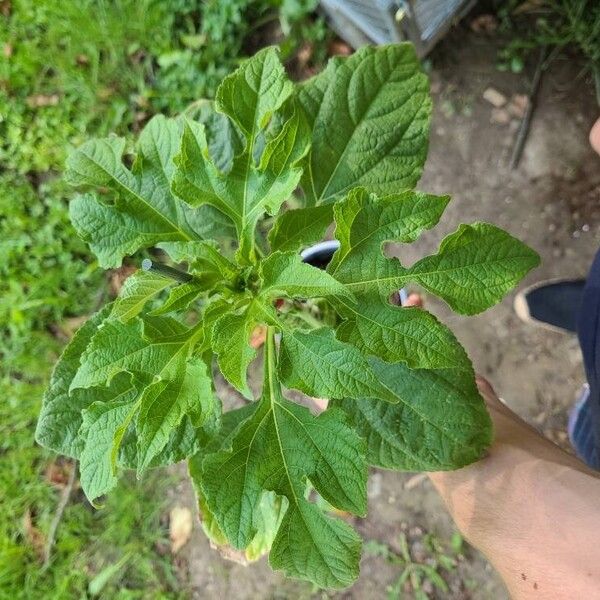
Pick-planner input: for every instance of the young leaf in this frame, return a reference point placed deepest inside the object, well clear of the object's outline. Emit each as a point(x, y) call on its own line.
point(100, 425)
point(370, 123)
point(138, 289)
point(441, 415)
point(297, 229)
point(180, 297)
point(364, 222)
point(164, 404)
point(278, 449)
point(320, 365)
point(164, 344)
point(144, 211)
point(225, 140)
point(60, 416)
point(410, 335)
point(249, 96)
point(284, 274)
point(231, 343)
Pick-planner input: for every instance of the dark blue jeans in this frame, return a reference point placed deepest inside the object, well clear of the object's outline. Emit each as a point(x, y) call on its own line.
point(586, 432)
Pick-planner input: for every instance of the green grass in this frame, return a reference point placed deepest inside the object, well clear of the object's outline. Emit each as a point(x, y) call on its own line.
point(556, 25)
point(89, 542)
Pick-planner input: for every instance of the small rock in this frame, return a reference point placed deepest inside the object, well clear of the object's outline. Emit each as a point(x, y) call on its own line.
point(518, 105)
point(494, 97)
point(500, 116)
point(374, 486)
point(180, 527)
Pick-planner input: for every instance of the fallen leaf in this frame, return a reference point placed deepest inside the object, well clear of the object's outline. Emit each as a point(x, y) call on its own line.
point(42, 100)
point(180, 527)
point(35, 538)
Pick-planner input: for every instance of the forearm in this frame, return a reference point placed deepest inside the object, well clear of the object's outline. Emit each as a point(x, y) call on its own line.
point(532, 510)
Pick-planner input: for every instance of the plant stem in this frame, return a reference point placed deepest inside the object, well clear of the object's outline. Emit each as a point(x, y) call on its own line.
point(166, 271)
point(270, 381)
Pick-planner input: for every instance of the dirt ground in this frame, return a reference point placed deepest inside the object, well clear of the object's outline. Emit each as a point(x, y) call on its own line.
point(551, 202)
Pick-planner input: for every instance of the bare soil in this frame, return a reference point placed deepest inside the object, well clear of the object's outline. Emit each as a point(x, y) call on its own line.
point(551, 202)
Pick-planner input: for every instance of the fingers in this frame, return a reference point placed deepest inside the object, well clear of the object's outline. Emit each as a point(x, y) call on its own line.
point(595, 136)
point(414, 300)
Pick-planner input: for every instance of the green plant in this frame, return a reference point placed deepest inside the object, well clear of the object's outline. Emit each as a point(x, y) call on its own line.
point(414, 573)
point(134, 388)
point(555, 25)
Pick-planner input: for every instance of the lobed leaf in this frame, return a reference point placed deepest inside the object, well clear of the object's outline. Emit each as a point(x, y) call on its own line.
point(278, 448)
point(165, 344)
point(143, 211)
point(60, 416)
point(400, 334)
point(254, 185)
point(164, 404)
point(473, 269)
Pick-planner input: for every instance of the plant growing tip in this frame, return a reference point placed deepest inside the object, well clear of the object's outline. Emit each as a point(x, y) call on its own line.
point(134, 389)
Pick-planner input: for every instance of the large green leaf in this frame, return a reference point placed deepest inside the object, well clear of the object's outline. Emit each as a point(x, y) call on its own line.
point(164, 344)
point(141, 209)
point(60, 417)
point(164, 404)
point(254, 185)
point(320, 365)
point(370, 123)
point(364, 222)
point(474, 268)
point(410, 335)
point(279, 448)
point(102, 423)
point(440, 422)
